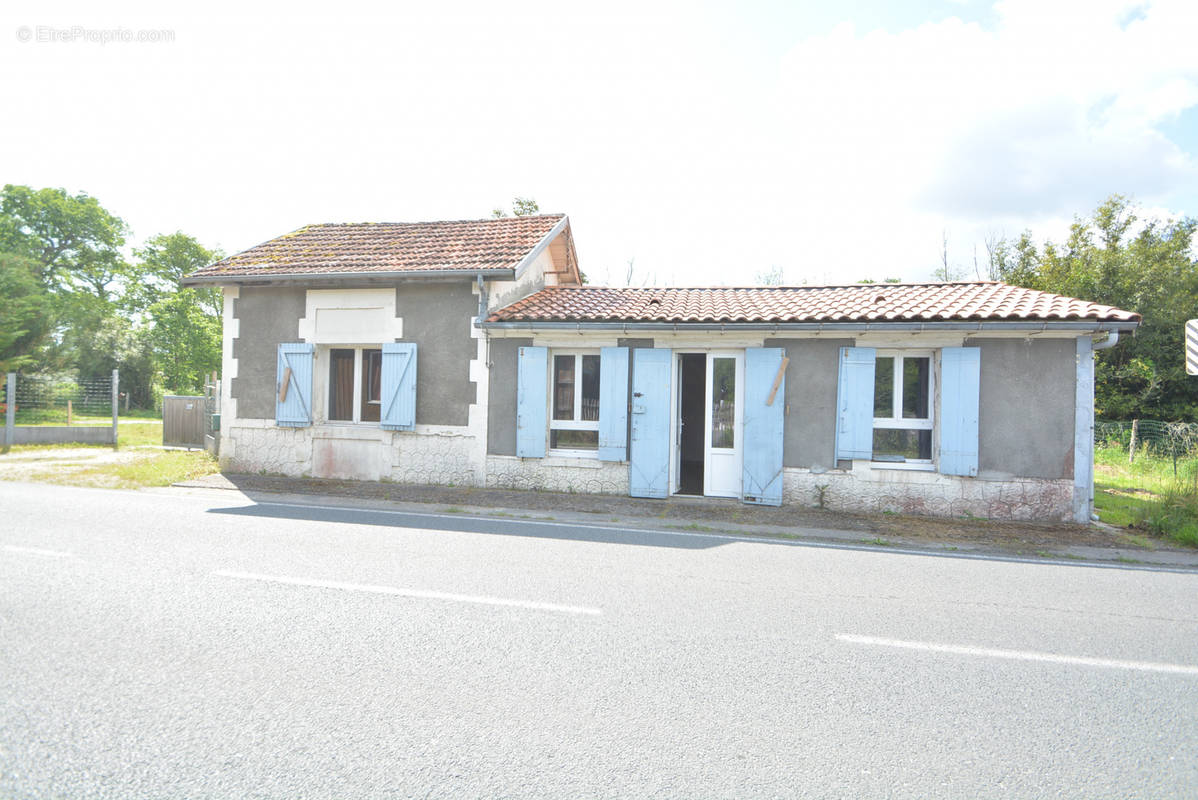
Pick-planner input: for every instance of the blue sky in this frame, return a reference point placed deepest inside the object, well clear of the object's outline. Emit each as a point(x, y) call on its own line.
point(706, 142)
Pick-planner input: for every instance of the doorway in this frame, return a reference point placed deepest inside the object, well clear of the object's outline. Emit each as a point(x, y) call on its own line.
point(708, 455)
point(692, 383)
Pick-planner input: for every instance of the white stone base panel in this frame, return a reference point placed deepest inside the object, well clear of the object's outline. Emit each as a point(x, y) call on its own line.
point(450, 459)
point(551, 474)
point(930, 494)
point(353, 453)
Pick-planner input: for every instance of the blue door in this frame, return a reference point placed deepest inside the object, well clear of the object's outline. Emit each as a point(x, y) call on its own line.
point(649, 467)
point(765, 402)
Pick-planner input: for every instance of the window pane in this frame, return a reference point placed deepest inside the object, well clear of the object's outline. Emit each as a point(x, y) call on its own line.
point(563, 387)
point(341, 385)
point(884, 386)
point(590, 388)
point(574, 440)
point(915, 387)
point(372, 374)
point(723, 402)
point(902, 445)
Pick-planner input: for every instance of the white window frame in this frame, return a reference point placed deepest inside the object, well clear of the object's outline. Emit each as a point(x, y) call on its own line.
point(359, 353)
point(577, 423)
point(897, 421)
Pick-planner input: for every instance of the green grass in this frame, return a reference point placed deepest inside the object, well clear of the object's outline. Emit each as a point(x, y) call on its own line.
point(135, 434)
point(1146, 494)
point(147, 468)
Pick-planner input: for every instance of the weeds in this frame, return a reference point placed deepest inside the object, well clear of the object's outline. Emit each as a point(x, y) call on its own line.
point(1150, 494)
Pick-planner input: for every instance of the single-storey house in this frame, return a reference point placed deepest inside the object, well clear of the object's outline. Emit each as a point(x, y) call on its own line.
point(469, 353)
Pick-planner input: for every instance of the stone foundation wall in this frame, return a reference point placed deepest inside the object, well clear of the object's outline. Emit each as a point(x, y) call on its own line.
point(557, 475)
point(278, 451)
point(371, 454)
point(438, 459)
point(930, 494)
point(451, 458)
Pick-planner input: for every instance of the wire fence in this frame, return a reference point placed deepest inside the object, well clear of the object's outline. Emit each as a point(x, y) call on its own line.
point(61, 400)
point(1146, 477)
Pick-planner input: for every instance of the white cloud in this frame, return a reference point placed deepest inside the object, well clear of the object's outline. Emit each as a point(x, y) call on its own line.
point(655, 130)
point(950, 125)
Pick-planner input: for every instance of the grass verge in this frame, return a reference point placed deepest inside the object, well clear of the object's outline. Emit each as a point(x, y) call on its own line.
point(1149, 494)
point(134, 434)
point(141, 470)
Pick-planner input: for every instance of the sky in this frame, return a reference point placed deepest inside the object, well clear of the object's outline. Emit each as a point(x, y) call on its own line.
point(705, 143)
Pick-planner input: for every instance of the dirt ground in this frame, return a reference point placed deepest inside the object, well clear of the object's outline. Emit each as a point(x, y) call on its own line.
point(25, 464)
point(708, 513)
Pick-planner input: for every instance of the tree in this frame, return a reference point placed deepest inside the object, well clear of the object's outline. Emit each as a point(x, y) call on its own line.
point(184, 341)
point(521, 207)
point(183, 326)
point(771, 277)
point(1147, 266)
point(162, 262)
point(25, 318)
point(946, 272)
point(76, 241)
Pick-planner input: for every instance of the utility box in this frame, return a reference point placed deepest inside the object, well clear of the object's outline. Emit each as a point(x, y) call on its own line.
point(183, 421)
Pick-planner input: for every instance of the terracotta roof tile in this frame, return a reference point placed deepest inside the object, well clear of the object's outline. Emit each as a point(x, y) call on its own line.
point(467, 245)
point(886, 302)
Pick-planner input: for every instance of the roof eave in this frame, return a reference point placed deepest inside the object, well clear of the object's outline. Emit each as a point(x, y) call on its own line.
point(227, 279)
point(1080, 325)
point(546, 240)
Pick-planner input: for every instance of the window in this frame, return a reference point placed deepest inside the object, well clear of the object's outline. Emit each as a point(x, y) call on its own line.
point(723, 403)
point(355, 384)
point(574, 402)
point(903, 392)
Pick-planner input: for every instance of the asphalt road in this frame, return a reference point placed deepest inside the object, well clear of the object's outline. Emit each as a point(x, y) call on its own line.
point(200, 645)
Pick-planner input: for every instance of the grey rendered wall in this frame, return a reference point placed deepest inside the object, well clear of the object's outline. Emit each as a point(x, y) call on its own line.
point(268, 317)
point(501, 396)
point(501, 392)
point(810, 438)
point(436, 316)
point(1025, 417)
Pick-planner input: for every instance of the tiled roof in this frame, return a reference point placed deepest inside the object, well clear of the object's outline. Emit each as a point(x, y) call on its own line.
point(883, 302)
point(364, 247)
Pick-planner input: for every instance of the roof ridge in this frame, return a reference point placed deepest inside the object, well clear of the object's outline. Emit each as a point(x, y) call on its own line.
point(430, 221)
point(801, 286)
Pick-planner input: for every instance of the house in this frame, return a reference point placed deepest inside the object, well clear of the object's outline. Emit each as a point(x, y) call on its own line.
point(469, 353)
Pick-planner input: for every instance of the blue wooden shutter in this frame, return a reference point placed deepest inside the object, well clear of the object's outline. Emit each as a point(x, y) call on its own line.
point(649, 459)
point(398, 386)
point(532, 401)
point(855, 403)
point(763, 426)
point(960, 389)
point(293, 385)
point(613, 404)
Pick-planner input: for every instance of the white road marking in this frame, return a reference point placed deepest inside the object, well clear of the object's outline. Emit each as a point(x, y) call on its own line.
point(1021, 655)
point(37, 551)
point(420, 593)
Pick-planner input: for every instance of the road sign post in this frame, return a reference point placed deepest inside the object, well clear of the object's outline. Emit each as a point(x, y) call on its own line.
point(1192, 347)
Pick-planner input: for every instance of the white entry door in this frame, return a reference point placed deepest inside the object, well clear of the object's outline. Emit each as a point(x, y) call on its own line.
point(724, 462)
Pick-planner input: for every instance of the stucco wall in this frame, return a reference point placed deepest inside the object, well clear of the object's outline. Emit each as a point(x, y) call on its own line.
point(501, 400)
point(437, 317)
point(810, 438)
point(1026, 411)
point(266, 318)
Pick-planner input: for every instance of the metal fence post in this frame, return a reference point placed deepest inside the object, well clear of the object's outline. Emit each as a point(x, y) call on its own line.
point(10, 410)
point(116, 385)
